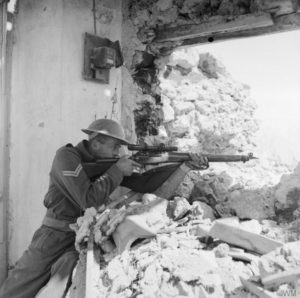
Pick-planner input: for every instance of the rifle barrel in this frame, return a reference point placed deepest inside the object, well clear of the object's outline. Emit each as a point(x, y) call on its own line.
point(148, 148)
point(229, 158)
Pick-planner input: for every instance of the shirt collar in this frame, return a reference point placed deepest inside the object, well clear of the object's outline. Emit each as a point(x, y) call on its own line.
point(82, 147)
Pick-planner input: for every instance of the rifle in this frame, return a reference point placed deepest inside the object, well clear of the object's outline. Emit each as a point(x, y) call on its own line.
point(154, 155)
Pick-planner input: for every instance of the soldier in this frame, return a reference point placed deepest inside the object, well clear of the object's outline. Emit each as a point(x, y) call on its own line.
point(46, 267)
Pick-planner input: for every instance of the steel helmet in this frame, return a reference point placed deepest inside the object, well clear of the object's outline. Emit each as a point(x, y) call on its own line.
point(107, 127)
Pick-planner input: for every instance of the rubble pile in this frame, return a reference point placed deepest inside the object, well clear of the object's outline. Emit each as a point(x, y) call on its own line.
point(204, 107)
point(186, 258)
point(206, 110)
point(229, 231)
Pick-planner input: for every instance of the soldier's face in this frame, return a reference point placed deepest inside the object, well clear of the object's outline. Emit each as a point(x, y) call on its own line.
point(109, 148)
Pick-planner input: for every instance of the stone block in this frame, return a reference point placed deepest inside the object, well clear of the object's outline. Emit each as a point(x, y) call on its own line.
point(168, 113)
point(287, 184)
point(184, 58)
point(202, 210)
point(178, 208)
point(256, 289)
point(180, 126)
point(236, 235)
point(251, 204)
point(183, 107)
point(202, 189)
point(185, 188)
point(168, 89)
point(209, 66)
point(282, 277)
point(188, 93)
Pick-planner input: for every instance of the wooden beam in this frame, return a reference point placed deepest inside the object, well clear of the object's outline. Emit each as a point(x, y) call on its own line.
point(92, 275)
point(255, 289)
point(216, 25)
point(236, 235)
point(281, 24)
point(279, 278)
point(243, 256)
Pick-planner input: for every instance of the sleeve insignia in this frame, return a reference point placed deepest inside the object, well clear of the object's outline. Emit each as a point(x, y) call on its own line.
point(74, 173)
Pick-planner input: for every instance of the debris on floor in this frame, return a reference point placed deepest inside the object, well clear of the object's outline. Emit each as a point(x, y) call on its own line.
point(187, 255)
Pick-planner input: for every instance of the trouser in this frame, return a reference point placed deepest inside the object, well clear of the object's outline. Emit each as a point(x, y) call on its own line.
point(45, 268)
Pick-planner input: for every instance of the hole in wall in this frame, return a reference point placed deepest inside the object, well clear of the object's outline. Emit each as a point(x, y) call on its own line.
point(227, 98)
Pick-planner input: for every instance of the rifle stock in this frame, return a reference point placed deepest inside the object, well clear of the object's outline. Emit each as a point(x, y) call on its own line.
point(183, 156)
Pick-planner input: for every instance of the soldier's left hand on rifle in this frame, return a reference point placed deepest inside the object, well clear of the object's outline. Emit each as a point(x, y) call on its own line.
point(198, 162)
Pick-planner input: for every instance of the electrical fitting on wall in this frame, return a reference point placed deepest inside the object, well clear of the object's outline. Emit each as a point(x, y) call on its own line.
point(100, 55)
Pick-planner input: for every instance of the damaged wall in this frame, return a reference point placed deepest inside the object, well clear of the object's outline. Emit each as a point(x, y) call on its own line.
point(200, 106)
point(163, 24)
point(207, 110)
point(153, 29)
point(50, 101)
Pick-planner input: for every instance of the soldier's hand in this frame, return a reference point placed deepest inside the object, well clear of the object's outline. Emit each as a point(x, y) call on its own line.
point(198, 162)
point(128, 166)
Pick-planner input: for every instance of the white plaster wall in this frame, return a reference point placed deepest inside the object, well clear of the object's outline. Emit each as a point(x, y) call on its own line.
point(50, 101)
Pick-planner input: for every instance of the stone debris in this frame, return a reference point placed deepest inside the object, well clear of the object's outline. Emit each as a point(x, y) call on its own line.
point(183, 257)
point(206, 110)
point(100, 225)
point(83, 227)
point(179, 207)
point(254, 288)
point(236, 235)
point(230, 231)
point(203, 210)
point(283, 277)
point(287, 195)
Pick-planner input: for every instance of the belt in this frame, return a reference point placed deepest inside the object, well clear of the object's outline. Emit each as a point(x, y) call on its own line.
point(58, 224)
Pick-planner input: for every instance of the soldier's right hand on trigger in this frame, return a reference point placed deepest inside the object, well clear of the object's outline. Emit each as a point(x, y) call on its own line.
point(127, 166)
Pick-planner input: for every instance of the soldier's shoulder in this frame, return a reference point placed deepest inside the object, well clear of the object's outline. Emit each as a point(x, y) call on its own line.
point(67, 149)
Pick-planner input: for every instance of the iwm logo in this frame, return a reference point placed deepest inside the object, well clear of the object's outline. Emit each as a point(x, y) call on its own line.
point(287, 293)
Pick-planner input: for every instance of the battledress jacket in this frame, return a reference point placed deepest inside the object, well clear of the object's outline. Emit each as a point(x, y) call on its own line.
point(70, 189)
point(52, 251)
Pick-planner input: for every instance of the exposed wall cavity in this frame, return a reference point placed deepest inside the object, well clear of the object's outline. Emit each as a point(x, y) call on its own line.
point(140, 93)
point(144, 20)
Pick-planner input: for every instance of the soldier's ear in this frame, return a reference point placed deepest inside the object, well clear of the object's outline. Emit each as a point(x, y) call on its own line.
point(95, 145)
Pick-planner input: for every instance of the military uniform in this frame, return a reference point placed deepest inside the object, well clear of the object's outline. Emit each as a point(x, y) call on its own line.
point(51, 256)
